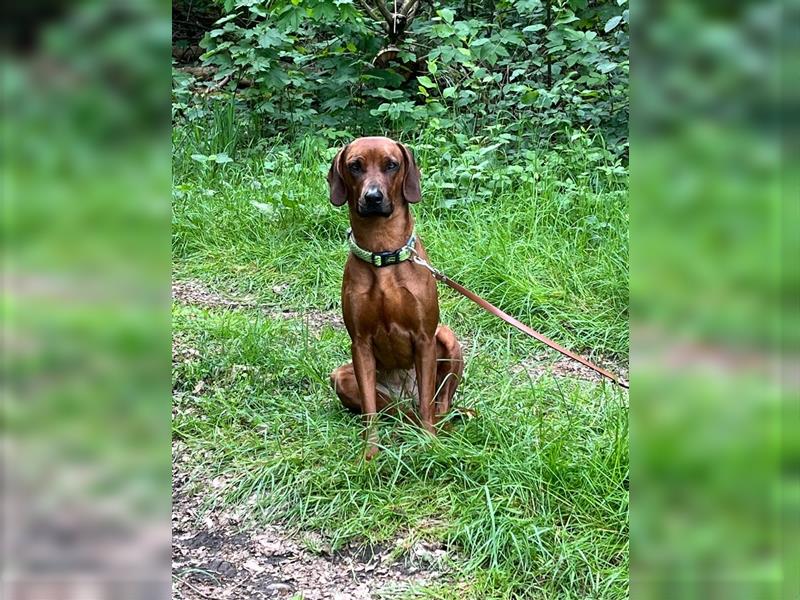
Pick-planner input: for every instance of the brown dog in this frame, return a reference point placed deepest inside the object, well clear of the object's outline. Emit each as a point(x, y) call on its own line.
point(390, 303)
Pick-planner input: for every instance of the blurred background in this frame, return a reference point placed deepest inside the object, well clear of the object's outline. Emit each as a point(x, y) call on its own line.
point(86, 263)
point(714, 300)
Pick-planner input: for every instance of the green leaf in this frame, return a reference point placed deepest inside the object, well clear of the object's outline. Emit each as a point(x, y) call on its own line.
point(532, 28)
point(406, 56)
point(221, 158)
point(270, 39)
point(426, 81)
point(335, 103)
point(200, 158)
point(565, 20)
point(448, 92)
point(528, 6)
point(446, 14)
point(388, 94)
point(225, 19)
point(529, 97)
point(612, 23)
point(432, 67)
point(606, 66)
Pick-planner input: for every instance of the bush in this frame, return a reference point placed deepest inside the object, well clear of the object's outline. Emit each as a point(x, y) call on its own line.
point(537, 68)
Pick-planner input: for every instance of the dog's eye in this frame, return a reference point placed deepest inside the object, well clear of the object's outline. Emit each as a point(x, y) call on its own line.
point(354, 167)
point(391, 166)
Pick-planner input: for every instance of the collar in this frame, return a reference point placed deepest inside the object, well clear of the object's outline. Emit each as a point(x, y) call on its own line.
point(382, 259)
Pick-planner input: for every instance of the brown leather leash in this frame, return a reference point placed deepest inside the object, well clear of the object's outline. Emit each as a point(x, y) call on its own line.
point(491, 308)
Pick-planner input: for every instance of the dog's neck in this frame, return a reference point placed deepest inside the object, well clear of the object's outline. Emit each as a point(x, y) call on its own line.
point(382, 234)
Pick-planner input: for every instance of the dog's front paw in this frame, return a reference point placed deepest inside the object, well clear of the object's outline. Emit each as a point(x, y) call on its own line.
point(370, 452)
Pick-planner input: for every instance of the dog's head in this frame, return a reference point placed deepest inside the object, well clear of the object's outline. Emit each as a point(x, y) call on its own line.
point(374, 175)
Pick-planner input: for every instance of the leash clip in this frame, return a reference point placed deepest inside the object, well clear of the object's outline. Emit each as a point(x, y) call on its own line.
point(417, 259)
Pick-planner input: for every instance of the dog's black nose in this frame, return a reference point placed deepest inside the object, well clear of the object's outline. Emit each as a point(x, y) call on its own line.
point(373, 196)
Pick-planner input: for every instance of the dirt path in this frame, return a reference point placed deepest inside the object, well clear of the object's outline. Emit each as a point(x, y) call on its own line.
point(539, 365)
point(218, 554)
point(195, 293)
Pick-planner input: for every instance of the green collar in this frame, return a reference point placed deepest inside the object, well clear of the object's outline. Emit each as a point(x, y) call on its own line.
point(382, 259)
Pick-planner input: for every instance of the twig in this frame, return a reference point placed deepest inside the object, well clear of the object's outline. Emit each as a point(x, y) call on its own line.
point(374, 15)
point(408, 6)
point(385, 12)
point(194, 589)
point(218, 86)
point(240, 584)
point(369, 10)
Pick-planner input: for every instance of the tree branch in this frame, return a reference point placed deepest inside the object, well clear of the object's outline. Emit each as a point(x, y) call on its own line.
point(217, 86)
point(385, 12)
point(375, 16)
point(369, 10)
point(408, 7)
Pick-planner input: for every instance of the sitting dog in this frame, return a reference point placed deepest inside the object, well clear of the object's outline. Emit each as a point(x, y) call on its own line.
point(390, 303)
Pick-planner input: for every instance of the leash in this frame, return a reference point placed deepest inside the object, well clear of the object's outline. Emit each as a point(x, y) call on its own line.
point(492, 309)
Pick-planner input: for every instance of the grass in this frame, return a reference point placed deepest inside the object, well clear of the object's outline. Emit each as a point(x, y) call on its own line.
point(532, 493)
point(545, 238)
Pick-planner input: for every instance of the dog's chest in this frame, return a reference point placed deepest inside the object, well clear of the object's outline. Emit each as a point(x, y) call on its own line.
point(394, 302)
point(387, 299)
point(392, 316)
point(397, 313)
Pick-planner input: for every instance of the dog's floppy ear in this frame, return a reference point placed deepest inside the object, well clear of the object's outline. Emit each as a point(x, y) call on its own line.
point(336, 185)
point(411, 191)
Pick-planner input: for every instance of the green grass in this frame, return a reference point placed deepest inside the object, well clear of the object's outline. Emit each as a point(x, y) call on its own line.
point(531, 494)
point(544, 238)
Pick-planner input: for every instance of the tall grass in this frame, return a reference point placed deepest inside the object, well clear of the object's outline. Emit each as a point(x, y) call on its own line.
point(530, 497)
point(541, 234)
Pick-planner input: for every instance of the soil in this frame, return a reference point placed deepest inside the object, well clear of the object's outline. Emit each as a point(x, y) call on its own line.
point(192, 292)
point(219, 553)
point(542, 366)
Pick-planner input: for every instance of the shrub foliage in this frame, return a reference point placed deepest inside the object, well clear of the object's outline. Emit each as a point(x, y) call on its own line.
point(534, 68)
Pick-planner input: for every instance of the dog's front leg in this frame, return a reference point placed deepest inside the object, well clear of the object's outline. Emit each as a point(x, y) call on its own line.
point(364, 368)
point(425, 365)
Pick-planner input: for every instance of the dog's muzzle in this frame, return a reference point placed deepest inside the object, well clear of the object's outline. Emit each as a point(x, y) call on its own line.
point(374, 203)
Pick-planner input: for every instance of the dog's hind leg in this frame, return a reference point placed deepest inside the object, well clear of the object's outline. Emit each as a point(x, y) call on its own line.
point(449, 368)
point(344, 383)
